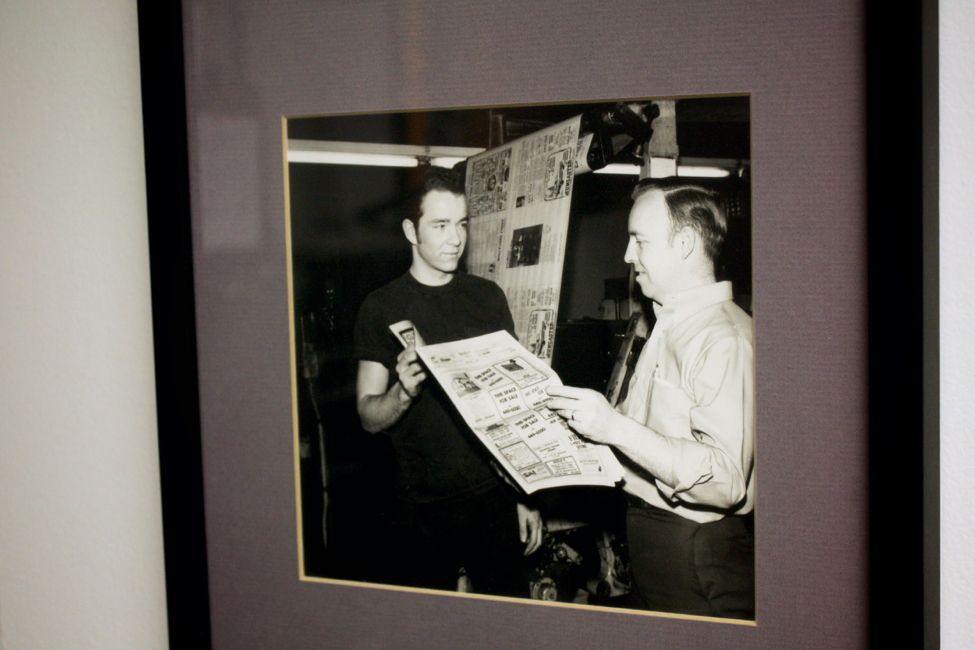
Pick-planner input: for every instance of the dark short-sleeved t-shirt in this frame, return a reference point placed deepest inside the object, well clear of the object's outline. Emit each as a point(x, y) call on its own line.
point(437, 455)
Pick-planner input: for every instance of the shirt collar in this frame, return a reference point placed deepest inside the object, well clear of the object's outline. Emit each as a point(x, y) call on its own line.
point(684, 304)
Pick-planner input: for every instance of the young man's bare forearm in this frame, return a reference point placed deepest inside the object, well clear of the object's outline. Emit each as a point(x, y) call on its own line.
point(380, 412)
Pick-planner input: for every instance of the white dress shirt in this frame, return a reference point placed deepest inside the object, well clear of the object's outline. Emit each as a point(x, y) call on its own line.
point(694, 384)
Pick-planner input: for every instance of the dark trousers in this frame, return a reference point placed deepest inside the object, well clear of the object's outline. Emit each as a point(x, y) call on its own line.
point(480, 534)
point(683, 567)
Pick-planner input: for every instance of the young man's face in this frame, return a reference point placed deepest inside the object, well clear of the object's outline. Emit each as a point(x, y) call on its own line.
point(651, 249)
point(440, 234)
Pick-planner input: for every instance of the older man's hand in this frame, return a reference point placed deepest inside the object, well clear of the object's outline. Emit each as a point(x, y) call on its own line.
point(586, 411)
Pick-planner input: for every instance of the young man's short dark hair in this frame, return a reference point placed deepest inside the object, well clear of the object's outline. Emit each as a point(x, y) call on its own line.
point(434, 179)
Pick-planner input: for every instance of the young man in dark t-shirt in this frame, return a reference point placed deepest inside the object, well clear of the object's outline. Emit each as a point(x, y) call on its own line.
point(453, 509)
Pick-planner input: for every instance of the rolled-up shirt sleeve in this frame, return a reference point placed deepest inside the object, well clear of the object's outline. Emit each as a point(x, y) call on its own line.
point(714, 468)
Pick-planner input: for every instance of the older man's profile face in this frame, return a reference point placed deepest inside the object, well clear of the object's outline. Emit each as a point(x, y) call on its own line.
point(655, 259)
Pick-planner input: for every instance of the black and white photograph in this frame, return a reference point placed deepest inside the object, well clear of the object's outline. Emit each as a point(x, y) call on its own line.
point(612, 241)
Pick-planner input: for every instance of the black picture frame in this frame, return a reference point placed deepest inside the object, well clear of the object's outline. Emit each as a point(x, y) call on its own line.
point(174, 323)
point(901, 66)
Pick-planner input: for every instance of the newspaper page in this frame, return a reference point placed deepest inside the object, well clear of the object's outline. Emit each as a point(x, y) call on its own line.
point(518, 197)
point(499, 388)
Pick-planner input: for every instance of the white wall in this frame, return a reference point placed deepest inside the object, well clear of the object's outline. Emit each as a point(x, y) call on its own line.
point(957, 193)
point(81, 562)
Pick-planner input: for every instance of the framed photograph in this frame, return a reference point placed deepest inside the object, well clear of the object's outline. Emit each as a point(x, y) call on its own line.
point(554, 242)
point(282, 515)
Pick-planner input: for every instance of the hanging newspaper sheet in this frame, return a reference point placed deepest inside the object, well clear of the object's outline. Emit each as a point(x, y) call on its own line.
point(499, 388)
point(518, 200)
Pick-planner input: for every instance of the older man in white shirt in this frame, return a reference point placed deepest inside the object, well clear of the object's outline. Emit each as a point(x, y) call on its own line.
point(686, 430)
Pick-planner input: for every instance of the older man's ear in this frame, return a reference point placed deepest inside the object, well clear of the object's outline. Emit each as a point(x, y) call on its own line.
point(686, 241)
